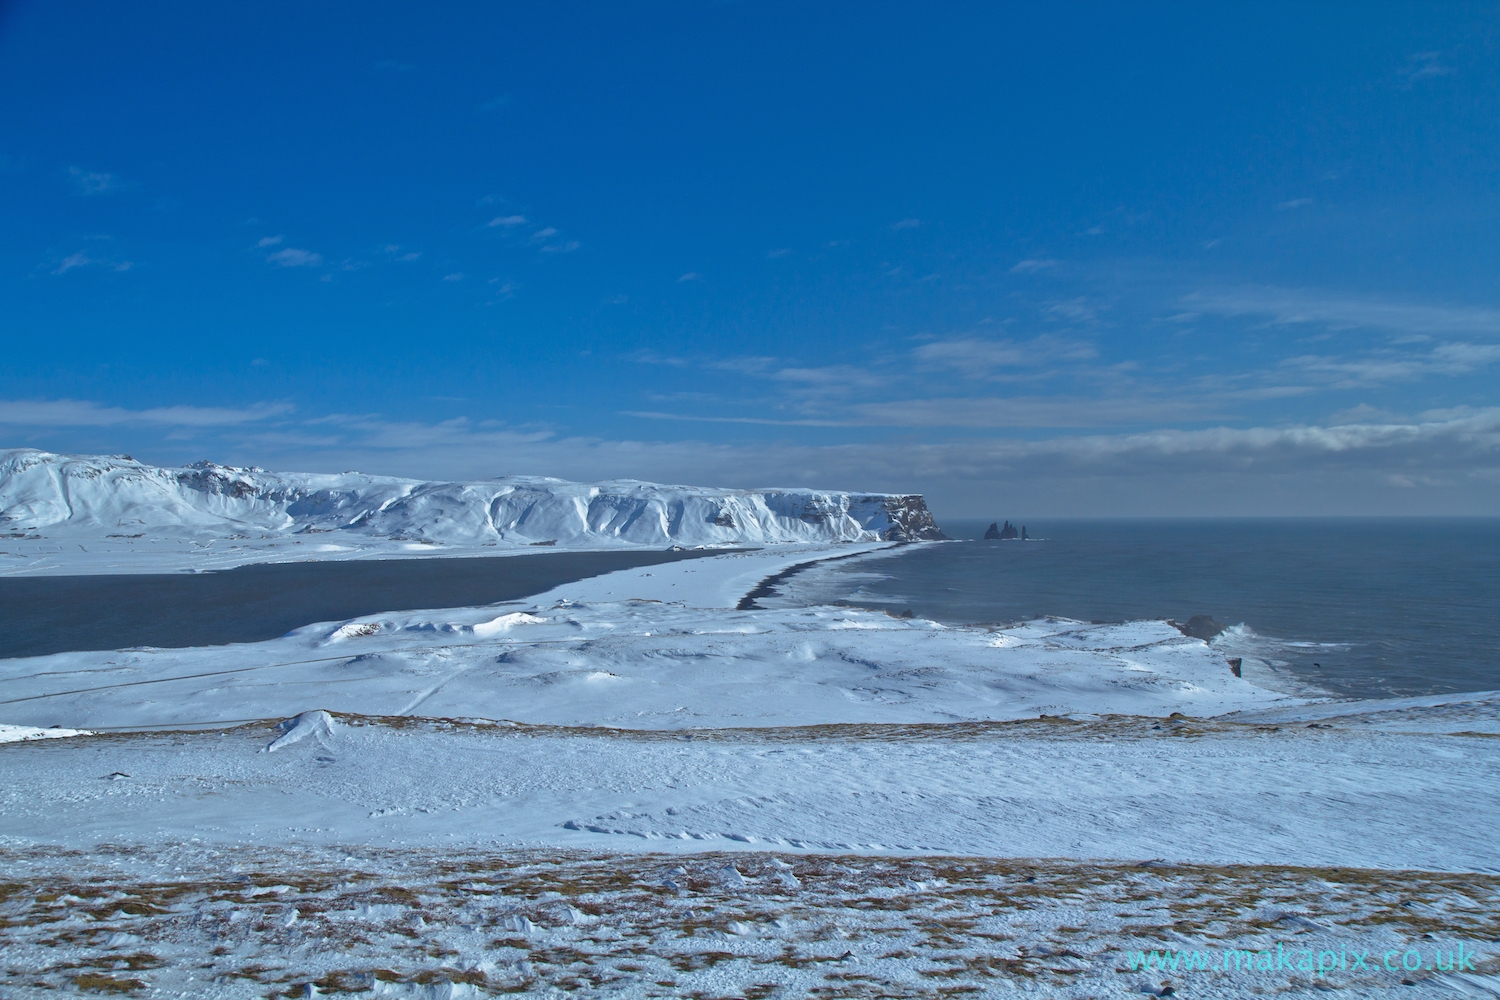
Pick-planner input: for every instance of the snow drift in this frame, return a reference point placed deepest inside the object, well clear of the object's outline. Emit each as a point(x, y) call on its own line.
point(116, 497)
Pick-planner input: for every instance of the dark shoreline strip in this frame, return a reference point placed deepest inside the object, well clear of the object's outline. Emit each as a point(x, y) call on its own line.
point(767, 587)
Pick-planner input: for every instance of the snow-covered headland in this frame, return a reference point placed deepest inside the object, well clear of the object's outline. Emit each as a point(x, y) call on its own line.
point(111, 514)
point(631, 786)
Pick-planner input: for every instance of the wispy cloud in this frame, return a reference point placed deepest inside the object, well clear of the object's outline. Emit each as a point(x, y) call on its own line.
point(565, 246)
point(906, 224)
point(690, 276)
point(267, 241)
point(495, 104)
point(1344, 312)
point(1286, 206)
point(1422, 65)
point(90, 182)
point(1387, 366)
point(293, 257)
point(82, 259)
point(1074, 310)
point(1028, 412)
point(758, 421)
point(838, 377)
point(979, 357)
point(1032, 266)
point(507, 221)
point(455, 276)
point(1452, 454)
point(82, 413)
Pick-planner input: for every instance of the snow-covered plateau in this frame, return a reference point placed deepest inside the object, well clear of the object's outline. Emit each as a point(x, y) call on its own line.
point(110, 514)
point(633, 786)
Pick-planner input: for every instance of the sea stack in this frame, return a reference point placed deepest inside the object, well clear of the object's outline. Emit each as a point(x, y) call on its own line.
point(996, 533)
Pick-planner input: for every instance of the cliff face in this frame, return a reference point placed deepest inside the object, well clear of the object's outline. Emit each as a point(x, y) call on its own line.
point(911, 521)
point(115, 495)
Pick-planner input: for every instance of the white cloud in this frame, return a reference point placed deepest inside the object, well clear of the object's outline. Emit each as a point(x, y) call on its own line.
point(978, 357)
point(81, 259)
point(1442, 461)
point(82, 413)
point(758, 421)
point(1422, 65)
point(268, 241)
point(567, 246)
point(1390, 365)
point(836, 377)
point(1071, 310)
point(906, 224)
point(292, 257)
point(508, 221)
point(1032, 266)
point(1344, 312)
point(542, 234)
point(690, 276)
point(1286, 206)
point(89, 182)
point(1027, 411)
point(455, 276)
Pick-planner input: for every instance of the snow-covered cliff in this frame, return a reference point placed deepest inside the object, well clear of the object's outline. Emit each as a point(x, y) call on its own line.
point(72, 499)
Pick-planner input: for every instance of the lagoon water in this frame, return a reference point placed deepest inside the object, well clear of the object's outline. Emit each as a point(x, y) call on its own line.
point(55, 614)
point(1361, 608)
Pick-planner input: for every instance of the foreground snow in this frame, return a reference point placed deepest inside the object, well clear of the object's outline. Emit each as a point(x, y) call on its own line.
point(110, 514)
point(242, 923)
point(193, 920)
point(1347, 794)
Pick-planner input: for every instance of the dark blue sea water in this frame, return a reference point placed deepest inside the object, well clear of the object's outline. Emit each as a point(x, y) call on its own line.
point(1358, 607)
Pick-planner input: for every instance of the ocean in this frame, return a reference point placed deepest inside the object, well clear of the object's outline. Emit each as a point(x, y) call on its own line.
point(1364, 608)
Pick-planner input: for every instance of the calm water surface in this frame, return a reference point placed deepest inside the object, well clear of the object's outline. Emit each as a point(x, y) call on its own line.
point(1368, 608)
point(55, 614)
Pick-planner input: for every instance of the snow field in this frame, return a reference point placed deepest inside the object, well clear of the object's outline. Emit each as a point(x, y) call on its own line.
point(254, 922)
point(641, 665)
point(1120, 789)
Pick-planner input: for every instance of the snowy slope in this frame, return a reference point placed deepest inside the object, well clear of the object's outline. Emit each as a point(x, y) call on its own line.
point(641, 665)
point(61, 513)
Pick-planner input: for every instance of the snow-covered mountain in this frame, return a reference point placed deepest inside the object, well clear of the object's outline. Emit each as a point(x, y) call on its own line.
point(73, 497)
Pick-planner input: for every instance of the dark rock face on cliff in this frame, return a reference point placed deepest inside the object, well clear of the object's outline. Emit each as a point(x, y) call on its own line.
point(1199, 627)
point(911, 521)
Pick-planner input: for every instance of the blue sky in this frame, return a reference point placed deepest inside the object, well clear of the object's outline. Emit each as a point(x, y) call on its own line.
point(1027, 259)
